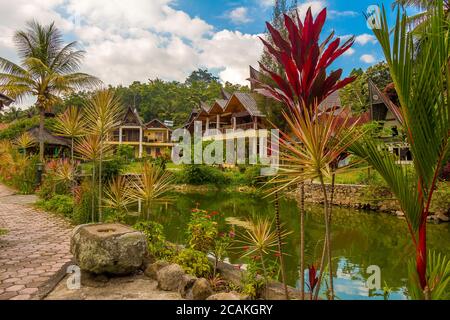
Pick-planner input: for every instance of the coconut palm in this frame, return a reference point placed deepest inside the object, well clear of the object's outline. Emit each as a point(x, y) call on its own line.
point(103, 114)
point(47, 69)
point(70, 124)
point(152, 186)
point(421, 79)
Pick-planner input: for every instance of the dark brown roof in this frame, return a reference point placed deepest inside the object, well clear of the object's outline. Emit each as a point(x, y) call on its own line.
point(378, 98)
point(156, 123)
point(49, 138)
point(249, 103)
point(135, 118)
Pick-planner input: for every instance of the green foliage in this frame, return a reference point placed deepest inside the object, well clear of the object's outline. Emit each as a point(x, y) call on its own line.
point(356, 95)
point(61, 204)
point(441, 198)
point(194, 262)
point(438, 275)
point(3, 232)
point(202, 231)
point(156, 241)
point(252, 282)
point(84, 196)
point(112, 168)
point(125, 152)
point(16, 128)
point(201, 174)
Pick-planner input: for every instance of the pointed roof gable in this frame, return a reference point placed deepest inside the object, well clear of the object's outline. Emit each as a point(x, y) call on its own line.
point(225, 94)
point(246, 101)
point(131, 117)
point(381, 104)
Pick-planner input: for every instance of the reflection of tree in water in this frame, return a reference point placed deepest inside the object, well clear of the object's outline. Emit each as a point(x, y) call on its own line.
point(360, 239)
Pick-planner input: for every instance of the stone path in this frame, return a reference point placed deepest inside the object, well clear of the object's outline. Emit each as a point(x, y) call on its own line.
point(34, 250)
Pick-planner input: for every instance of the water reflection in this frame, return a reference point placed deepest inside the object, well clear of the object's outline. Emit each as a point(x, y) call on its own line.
point(360, 239)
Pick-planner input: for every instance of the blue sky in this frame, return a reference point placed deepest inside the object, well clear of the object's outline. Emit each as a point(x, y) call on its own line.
point(137, 40)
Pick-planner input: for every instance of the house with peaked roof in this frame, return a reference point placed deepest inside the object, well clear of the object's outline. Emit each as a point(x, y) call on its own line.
point(233, 111)
point(388, 115)
point(150, 139)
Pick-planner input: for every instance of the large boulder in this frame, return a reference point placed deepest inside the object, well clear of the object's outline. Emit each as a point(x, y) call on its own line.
point(186, 284)
point(108, 248)
point(153, 269)
point(201, 289)
point(170, 277)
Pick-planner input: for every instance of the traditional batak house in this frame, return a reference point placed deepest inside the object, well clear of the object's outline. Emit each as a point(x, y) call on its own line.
point(151, 139)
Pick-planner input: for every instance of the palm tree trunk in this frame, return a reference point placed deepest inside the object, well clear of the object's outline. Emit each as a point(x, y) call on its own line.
point(421, 258)
point(280, 244)
point(302, 241)
point(41, 133)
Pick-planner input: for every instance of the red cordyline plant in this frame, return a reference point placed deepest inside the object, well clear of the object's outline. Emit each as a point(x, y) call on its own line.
point(304, 83)
point(304, 62)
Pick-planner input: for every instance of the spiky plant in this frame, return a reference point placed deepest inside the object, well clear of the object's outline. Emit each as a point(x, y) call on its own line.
point(303, 81)
point(421, 79)
point(47, 69)
point(118, 195)
point(25, 141)
point(89, 148)
point(103, 114)
point(70, 124)
point(152, 186)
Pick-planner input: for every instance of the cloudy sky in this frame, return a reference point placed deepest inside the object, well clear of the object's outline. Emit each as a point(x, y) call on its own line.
point(144, 39)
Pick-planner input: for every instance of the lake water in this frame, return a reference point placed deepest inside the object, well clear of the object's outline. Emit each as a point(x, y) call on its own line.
point(359, 238)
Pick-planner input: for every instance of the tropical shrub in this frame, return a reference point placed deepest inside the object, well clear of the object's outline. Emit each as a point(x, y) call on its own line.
point(194, 262)
point(61, 204)
point(252, 281)
point(156, 241)
point(202, 231)
point(84, 196)
point(201, 174)
point(441, 199)
point(125, 152)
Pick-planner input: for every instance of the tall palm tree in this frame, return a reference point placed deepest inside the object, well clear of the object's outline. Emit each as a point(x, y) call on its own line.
point(47, 69)
point(103, 114)
point(421, 79)
point(70, 124)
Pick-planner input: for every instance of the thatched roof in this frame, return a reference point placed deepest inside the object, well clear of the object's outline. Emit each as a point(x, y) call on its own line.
point(49, 138)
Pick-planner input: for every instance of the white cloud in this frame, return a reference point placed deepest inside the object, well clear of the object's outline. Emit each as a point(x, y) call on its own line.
point(315, 5)
point(365, 38)
point(239, 15)
point(137, 39)
point(349, 52)
point(347, 13)
point(367, 58)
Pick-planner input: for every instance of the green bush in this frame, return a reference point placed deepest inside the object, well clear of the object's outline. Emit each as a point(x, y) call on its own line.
point(61, 204)
point(156, 241)
point(16, 128)
point(125, 152)
point(202, 231)
point(201, 174)
point(441, 198)
point(194, 262)
point(112, 168)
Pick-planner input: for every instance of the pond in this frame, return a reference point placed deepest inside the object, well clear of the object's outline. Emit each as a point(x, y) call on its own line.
point(359, 238)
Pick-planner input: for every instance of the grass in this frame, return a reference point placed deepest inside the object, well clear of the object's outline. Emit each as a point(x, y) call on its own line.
point(358, 176)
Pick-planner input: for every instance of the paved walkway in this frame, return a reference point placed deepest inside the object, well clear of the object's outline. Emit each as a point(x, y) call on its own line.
point(33, 251)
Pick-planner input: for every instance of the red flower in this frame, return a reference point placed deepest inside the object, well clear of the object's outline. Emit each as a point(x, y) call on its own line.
point(313, 279)
point(277, 254)
point(231, 234)
point(246, 248)
point(214, 213)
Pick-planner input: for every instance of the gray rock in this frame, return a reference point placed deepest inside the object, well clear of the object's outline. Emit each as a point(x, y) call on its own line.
point(226, 296)
point(185, 287)
point(201, 289)
point(108, 248)
point(442, 217)
point(153, 268)
point(170, 277)
point(400, 213)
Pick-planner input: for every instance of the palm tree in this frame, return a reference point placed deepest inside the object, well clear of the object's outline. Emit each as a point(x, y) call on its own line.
point(103, 114)
point(118, 196)
point(70, 124)
point(421, 79)
point(48, 68)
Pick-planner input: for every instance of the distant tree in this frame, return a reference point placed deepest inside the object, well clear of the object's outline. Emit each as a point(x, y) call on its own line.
point(201, 75)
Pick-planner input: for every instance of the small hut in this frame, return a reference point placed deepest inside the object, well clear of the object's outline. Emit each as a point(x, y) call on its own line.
point(54, 146)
